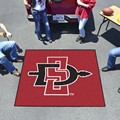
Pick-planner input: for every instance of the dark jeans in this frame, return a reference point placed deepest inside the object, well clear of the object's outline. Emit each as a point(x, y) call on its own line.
point(37, 15)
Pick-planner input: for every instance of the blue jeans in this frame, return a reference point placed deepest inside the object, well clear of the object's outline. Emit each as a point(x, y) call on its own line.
point(115, 52)
point(41, 15)
point(82, 22)
point(8, 53)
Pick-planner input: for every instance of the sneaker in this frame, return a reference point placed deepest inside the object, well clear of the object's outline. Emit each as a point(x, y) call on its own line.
point(105, 69)
point(49, 40)
point(41, 39)
point(78, 38)
point(16, 73)
point(81, 40)
point(19, 60)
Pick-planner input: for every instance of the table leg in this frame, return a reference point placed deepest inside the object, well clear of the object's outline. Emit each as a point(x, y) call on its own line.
point(107, 24)
point(104, 20)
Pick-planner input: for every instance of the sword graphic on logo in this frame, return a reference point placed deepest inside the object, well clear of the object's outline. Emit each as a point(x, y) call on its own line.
point(73, 74)
point(57, 75)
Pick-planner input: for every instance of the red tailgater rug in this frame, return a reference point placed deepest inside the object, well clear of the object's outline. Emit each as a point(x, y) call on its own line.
point(60, 78)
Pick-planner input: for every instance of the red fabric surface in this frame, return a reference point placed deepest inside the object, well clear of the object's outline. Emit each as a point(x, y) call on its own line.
point(82, 91)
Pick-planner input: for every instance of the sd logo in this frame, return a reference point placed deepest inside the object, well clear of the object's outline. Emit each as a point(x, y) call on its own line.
point(56, 75)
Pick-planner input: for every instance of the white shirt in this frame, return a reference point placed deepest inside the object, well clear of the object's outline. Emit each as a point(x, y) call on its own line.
point(40, 5)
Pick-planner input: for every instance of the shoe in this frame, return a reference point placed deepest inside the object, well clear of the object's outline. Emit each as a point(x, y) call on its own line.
point(78, 38)
point(41, 39)
point(19, 60)
point(105, 69)
point(16, 73)
point(50, 41)
point(81, 40)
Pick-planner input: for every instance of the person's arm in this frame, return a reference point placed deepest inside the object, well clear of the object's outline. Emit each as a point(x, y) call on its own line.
point(49, 1)
point(27, 5)
point(82, 4)
point(92, 4)
point(3, 27)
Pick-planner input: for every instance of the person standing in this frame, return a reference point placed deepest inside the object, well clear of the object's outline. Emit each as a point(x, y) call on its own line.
point(38, 10)
point(82, 11)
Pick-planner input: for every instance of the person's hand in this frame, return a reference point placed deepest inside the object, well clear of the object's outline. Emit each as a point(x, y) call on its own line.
point(82, 4)
point(8, 34)
point(50, 1)
point(27, 5)
point(79, 2)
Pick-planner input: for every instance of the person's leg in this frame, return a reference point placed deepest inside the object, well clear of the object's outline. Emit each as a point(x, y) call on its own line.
point(82, 23)
point(112, 57)
point(36, 16)
point(6, 63)
point(9, 66)
point(10, 50)
point(46, 24)
point(115, 52)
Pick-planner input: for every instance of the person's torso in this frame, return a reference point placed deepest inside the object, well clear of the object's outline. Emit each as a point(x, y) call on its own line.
point(38, 4)
point(83, 12)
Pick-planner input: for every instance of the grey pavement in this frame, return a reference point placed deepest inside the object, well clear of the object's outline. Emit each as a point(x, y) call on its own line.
point(14, 16)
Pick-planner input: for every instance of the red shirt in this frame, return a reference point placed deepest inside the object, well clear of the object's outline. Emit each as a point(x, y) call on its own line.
point(84, 12)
